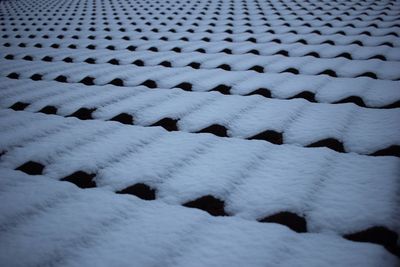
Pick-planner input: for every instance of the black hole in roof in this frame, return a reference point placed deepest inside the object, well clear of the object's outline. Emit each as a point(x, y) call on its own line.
point(200, 50)
point(90, 60)
point(117, 82)
point(328, 72)
point(38, 45)
point(262, 91)
point(313, 54)
point(289, 219)
point(252, 39)
point(140, 190)
point(28, 58)
point(381, 57)
point(388, 44)
point(253, 51)
point(61, 78)
point(184, 86)
point(257, 68)
point(226, 51)
point(49, 110)
point(222, 88)
point(154, 49)
point(131, 48)
point(378, 235)
point(368, 74)
point(138, 62)
point(393, 150)
point(166, 64)
point(366, 33)
point(81, 179)
point(331, 143)
point(9, 57)
point(345, 55)
point(329, 42)
point(13, 75)
point(270, 136)
point(168, 124)
point(357, 42)
point(55, 46)
point(31, 168)
point(83, 113)
point(110, 47)
point(215, 129)
point(224, 67)
point(72, 46)
point(283, 53)
point(177, 49)
point(113, 61)
point(68, 60)
point(123, 118)
point(291, 70)
point(36, 77)
point(87, 80)
point(302, 41)
point(92, 47)
point(194, 65)
point(210, 204)
point(352, 99)
point(47, 59)
point(19, 106)
point(307, 95)
point(150, 84)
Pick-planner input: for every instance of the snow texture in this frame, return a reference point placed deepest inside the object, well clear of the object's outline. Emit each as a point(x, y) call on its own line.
point(343, 193)
point(55, 223)
point(199, 133)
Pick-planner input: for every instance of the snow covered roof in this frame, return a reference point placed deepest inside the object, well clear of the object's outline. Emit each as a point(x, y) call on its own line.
point(199, 133)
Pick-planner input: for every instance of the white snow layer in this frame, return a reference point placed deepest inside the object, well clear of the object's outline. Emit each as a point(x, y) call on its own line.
point(373, 92)
point(299, 121)
point(301, 74)
point(44, 222)
point(340, 193)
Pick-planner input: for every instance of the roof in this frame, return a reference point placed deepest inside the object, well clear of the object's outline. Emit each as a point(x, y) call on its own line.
point(199, 133)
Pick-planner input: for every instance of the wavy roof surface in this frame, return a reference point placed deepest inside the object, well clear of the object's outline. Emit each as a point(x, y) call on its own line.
point(199, 133)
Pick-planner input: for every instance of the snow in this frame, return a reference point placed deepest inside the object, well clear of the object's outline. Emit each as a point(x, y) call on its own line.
point(327, 89)
point(320, 122)
point(208, 133)
point(71, 227)
point(255, 178)
point(301, 122)
point(273, 63)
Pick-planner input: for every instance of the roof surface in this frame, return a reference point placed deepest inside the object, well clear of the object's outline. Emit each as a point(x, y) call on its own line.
point(199, 133)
